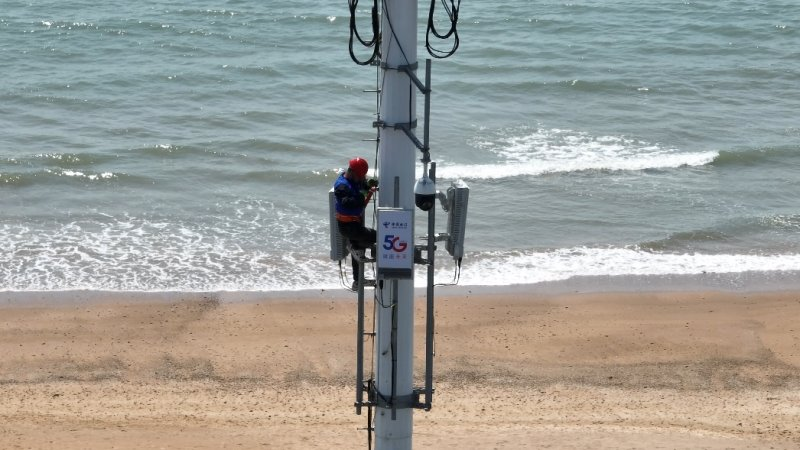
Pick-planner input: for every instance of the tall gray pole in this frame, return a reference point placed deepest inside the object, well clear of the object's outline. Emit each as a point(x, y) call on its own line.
point(394, 348)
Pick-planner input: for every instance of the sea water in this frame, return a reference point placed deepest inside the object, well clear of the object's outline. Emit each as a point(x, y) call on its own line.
point(150, 146)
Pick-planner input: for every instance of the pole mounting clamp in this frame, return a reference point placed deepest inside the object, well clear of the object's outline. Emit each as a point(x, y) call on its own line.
point(406, 128)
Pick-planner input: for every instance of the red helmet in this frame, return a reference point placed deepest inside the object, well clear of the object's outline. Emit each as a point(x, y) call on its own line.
point(359, 166)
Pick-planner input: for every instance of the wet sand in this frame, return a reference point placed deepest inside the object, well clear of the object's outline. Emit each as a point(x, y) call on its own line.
point(513, 371)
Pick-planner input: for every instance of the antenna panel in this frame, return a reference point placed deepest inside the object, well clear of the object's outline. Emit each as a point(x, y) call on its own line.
point(338, 242)
point(457, 198)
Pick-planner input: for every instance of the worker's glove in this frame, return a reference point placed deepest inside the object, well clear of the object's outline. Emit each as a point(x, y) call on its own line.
point(372, 182)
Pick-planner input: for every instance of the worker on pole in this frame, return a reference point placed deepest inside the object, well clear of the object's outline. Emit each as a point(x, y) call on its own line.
point(353, 193)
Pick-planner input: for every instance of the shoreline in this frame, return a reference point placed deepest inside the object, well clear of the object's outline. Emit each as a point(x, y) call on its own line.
point(752, 282)
point(636, 369)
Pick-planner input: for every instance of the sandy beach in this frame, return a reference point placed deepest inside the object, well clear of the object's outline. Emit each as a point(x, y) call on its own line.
point(513, 371)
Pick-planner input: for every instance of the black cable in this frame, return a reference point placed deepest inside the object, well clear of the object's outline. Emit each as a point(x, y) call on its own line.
point(410, 100)
point(456, 276)
point(394, 35)
point(393, 345)
point(379, 299)
point(342, 277)
point(373, 43)
point(452, 13)
point(369, 427)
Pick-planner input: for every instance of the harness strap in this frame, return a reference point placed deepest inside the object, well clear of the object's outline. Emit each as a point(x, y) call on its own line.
point(345, 218)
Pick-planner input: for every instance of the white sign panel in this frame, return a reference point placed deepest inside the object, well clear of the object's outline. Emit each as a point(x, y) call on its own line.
point(395, 243)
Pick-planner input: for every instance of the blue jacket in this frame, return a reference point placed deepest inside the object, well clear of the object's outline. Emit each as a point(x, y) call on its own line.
point(350, 199)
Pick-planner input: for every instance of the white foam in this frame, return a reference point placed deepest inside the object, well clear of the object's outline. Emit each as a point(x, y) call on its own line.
point(151, 255)
point(228, 252)
point(216, 267)
point(538, 152)
point(508, 268)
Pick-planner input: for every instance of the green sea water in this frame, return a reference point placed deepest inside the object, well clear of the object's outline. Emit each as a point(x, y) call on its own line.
point(190, 145)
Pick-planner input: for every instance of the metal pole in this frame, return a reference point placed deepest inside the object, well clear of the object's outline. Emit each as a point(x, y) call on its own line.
point(427, 126)
point(429, 312)
point(360, 341)
point(396, 159)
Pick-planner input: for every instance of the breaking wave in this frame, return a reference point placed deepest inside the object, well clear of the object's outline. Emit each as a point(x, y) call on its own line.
point(561, 151)
point(150, 257)
point(754, 157)
point(509, 268)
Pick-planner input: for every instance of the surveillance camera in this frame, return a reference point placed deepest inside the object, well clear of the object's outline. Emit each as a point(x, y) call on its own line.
point(425, 193)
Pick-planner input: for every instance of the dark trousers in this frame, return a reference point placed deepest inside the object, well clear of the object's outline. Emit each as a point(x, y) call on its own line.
point(360, 237)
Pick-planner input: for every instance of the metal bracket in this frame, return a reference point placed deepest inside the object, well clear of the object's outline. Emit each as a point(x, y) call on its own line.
point(418, 249)
point(360, 255)
point(439, 237)
point(409, 69)
point(395, 126)
point(425, 89)
point(399, 402)
point(412, 66)
point(406, 128)
point(418, 259)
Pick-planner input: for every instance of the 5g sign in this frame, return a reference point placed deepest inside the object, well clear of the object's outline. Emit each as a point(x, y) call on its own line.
point(393, 243)
point(395, 257)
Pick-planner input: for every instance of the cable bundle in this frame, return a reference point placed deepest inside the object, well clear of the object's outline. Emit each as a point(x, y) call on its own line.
point(373, 43)
point(452, 13)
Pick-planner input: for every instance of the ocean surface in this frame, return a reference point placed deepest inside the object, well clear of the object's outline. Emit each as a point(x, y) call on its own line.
point(156, 146)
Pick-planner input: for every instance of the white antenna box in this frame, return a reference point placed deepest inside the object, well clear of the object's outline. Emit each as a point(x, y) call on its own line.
point(457, 199)
point(338, 242)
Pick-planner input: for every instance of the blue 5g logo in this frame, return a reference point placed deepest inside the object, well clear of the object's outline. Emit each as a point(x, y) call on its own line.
point(392, 242)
